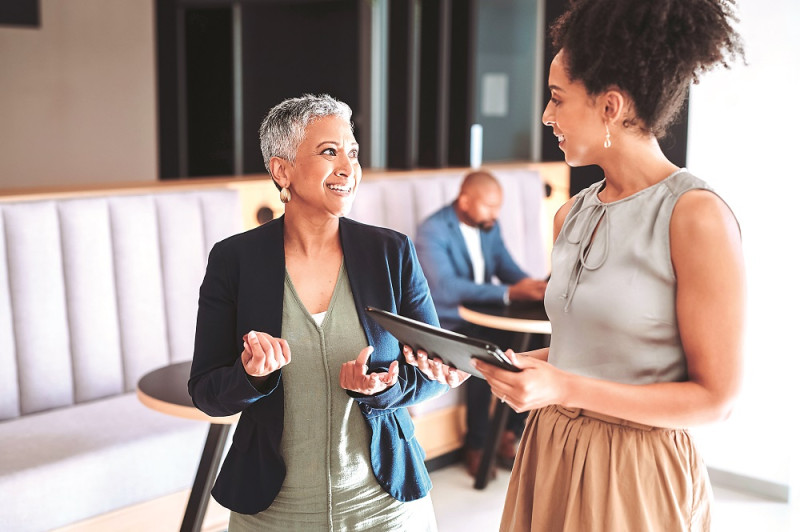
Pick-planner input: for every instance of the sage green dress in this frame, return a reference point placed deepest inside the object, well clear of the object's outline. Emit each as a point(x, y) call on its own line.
point(329, 481)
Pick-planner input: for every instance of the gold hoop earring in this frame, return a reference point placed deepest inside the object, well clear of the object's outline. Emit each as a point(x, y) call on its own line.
point(607, 142)
point(285, 195)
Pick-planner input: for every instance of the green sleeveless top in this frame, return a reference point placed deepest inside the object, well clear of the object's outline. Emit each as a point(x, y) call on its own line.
point(329, 481)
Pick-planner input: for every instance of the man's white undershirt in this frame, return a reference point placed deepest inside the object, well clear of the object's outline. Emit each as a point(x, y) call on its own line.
point(472, 236)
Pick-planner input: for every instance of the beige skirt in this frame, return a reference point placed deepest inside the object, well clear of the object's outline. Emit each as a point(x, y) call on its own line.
point(581, 471)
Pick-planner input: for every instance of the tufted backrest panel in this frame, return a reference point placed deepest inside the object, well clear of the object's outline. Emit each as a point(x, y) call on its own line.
point(9, 387)
point(522, 219)
point(38, 308)
point(90, 290)
point(403, 203)
point(94, 292)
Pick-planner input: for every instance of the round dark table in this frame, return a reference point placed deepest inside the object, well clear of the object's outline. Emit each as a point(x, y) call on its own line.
point(165, 390)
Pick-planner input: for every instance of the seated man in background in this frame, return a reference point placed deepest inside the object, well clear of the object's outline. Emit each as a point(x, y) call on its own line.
point(461, 250)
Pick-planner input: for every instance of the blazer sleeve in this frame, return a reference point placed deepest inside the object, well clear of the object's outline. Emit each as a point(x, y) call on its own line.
point(449, 286)
point(218, 384)
point(412, 300)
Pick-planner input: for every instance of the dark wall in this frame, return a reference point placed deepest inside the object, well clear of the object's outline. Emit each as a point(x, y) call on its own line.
point(209, 100)
point(290, 49)
point(430, 68)
point(19, 13)
point(430, 96)
point(462, 94)
point(401, 91)
point(293, 47)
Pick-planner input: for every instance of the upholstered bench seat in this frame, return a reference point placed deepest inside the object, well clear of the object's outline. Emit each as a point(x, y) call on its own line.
point(100, 290)
point(67, 464)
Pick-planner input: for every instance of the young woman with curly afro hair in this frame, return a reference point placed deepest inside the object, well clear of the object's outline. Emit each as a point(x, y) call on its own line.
point(646, 297)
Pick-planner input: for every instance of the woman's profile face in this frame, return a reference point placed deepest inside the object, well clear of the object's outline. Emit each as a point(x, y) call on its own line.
point(326, 171)
point(574, 117)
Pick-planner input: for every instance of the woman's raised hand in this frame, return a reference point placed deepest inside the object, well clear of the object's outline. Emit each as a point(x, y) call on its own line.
point(354, 377)
point(264, 354)
point(434, 369)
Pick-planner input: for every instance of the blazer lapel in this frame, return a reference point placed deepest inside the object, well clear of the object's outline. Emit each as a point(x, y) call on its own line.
point(359, 265)
point(267, 288)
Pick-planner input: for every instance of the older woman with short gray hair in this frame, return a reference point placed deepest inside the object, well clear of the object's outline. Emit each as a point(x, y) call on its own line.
point(324, 441)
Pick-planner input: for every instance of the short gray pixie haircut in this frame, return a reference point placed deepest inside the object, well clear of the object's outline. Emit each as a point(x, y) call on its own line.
point(284, 127)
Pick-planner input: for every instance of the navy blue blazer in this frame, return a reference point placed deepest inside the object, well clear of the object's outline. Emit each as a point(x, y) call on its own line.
point(243, 291)
point(447, 265)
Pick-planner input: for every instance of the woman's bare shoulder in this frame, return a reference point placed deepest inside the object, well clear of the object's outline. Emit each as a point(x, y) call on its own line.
point(701, 211)
point(704, 234)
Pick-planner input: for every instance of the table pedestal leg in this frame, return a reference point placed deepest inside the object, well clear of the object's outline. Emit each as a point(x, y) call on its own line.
point(488, 457)
point(204, 479)
point(499, 421)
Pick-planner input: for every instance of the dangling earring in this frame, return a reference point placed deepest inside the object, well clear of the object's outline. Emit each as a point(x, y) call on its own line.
point(285, 195)
point(607, 142)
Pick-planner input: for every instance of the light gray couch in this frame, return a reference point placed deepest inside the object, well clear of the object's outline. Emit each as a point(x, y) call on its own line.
point(95, 292)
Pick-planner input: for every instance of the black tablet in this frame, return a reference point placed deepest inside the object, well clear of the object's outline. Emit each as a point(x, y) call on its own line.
point(454, 349)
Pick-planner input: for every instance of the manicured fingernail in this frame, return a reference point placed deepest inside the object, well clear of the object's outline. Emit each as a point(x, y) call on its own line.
point(252, 335)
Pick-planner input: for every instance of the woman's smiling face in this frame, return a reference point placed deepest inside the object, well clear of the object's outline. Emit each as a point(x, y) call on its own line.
point(574, 116)
point(326, 172)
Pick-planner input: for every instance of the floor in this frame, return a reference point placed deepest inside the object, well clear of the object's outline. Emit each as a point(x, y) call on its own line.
point(461, 508)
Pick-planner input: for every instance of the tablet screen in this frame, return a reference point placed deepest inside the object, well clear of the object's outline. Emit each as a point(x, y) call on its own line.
point(453, 348)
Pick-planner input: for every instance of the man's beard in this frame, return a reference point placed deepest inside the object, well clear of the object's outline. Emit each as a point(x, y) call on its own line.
point(486, 226)
point(483, 226)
